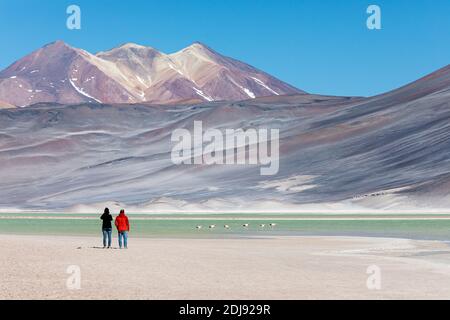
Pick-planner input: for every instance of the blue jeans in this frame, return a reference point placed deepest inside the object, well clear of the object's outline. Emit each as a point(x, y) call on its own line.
point(123, 236)
point(107, 235)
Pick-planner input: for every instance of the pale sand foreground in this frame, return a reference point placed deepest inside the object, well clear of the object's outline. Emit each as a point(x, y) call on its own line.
point(34, 267)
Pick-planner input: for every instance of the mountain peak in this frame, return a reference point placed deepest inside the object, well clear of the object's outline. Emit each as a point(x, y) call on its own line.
point(198, 46)
point(58, 44)
point(198, 50)
point(128, 49)
point(133, 73)
point(132, 45)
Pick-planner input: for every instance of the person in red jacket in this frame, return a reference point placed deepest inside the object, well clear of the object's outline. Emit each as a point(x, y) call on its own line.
point(123, 227)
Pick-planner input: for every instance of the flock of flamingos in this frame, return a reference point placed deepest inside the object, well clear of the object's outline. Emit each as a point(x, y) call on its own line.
point(245, 225)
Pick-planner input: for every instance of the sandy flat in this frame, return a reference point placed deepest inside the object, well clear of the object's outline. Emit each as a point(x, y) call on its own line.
point(34, 267)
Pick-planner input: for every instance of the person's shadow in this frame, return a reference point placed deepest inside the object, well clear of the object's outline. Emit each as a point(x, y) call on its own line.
point(100, 248)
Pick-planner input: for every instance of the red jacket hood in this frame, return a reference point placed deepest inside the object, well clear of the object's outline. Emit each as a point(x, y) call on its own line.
point(122, 223)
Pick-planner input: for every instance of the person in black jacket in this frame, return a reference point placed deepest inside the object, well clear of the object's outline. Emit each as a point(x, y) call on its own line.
point(106, 228)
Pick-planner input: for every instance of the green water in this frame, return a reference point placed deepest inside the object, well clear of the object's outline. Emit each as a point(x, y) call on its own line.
point(411, 228)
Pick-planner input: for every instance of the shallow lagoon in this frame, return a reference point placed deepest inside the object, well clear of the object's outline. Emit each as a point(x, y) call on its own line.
point(180, 226)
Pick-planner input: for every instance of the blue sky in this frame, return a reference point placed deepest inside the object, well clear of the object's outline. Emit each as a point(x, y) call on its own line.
point(321, 46)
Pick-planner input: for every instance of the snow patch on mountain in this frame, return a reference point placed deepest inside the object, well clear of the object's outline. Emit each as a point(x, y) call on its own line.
point(265, 86)
point(249, 93)
point(81, 91)
point(203, 95)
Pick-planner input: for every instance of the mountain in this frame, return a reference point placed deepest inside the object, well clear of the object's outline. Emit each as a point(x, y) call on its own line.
point(389, 152)
point(133, 74)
